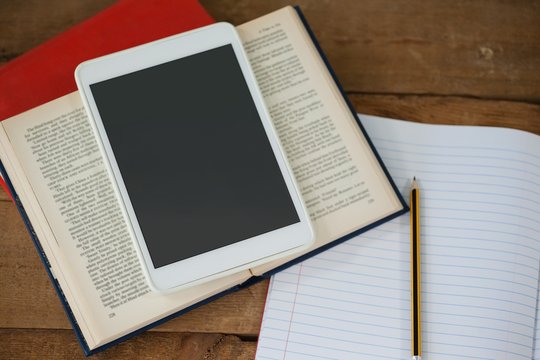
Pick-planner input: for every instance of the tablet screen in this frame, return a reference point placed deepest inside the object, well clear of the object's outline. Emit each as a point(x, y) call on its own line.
point(194, 157)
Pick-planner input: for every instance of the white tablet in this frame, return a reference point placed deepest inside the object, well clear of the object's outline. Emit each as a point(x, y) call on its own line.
point(195, 160)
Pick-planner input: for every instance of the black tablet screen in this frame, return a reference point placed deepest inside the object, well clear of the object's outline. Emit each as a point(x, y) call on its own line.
point(193, 154)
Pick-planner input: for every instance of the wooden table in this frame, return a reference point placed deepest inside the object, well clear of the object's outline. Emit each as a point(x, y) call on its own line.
point(456, 62)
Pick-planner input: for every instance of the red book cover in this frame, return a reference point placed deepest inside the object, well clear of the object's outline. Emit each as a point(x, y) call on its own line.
point(46, 72)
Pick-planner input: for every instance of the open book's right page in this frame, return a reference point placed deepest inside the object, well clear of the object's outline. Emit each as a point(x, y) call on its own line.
point(341, 180)
point(480, 207)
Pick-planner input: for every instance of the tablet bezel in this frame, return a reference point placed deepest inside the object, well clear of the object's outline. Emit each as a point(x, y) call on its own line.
point(219, 262)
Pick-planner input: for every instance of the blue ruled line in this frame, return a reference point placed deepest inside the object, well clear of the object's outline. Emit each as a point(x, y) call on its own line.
point(460, 325)
point(406, 308)
point(433, 190)
point(429, 233)
point(388, 160)
point(423, 292)
point(430, 254)
point(453, 173)
point(477, 211)
point(354, 332)
point(425, 283)
point(481, 202)
point(456, 147)
point(383, 149)
point(398, 348)
point(341, 261)
point(348, 311)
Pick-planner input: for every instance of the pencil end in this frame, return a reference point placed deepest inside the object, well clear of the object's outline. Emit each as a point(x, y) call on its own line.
point(414, 184)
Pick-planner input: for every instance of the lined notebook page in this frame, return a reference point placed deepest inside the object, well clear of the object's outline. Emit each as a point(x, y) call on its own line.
point(480, 207)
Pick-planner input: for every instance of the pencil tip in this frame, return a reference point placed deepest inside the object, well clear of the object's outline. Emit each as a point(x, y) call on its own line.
point(414, 184)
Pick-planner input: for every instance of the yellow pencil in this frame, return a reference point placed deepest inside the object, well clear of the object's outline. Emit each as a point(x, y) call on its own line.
point(416, 323)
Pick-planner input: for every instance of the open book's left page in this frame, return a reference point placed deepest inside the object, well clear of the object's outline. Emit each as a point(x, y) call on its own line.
point(59, 175)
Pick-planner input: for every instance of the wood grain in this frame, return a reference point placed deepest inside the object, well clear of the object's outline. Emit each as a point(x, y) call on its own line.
point(485, 48)
point(488, 49)
point(26, 25)
point(451, 110)
point(3, 195)
point(62, 344)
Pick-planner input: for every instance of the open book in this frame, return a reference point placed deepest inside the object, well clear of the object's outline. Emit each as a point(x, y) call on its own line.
point(480, 245)
point(52, 162)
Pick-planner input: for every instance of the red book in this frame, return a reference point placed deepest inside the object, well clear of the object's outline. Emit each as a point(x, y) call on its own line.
point(46, 72)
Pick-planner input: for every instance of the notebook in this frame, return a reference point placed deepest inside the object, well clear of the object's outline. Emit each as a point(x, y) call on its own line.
point(480, 257)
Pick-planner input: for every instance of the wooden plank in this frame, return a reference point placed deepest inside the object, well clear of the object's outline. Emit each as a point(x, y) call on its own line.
point(26, 25)
point(487, 49)
point(3, 195)
point(62, 344)
point(451, 110)
point(28, 300)
point(239, 313)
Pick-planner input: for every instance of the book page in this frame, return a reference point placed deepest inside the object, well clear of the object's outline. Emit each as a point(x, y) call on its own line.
point(342, 184)
point(480, 252)
point(86, 236)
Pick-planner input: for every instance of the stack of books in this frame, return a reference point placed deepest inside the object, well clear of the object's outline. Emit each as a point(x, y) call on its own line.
point(55, 173)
